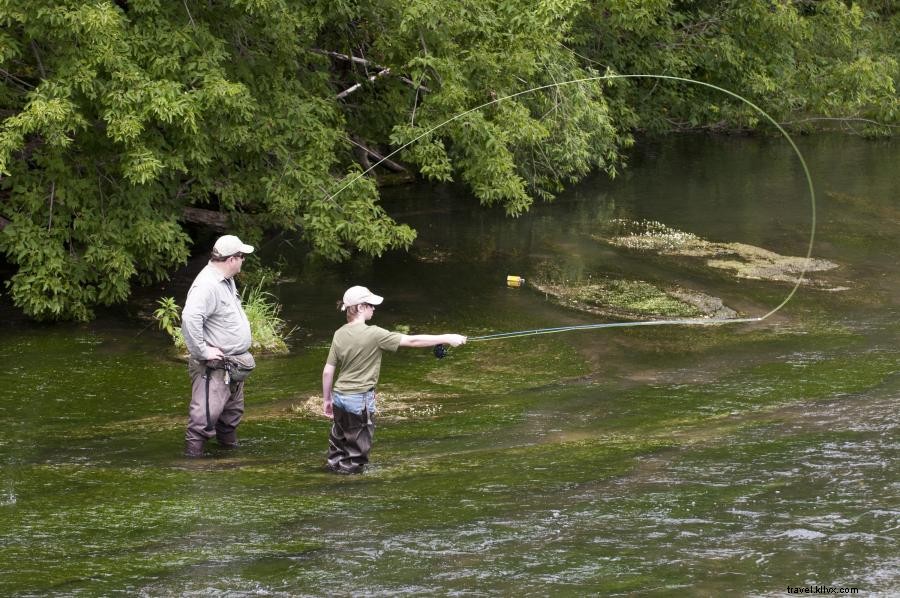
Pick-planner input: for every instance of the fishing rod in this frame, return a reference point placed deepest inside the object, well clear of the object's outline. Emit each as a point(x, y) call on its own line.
point(441, 351)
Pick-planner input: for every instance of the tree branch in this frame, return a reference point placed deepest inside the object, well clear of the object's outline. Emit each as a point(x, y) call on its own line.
point(353, 88)
point(215, 220)
point(382, 161)
point(52, 195)
point(37, 56)
point(183, 188)
point(367, 63)
point(15, 79)
point(190, 17)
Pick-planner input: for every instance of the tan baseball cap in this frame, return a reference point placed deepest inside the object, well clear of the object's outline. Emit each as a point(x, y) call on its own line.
point(229, 245)
point(356, 295)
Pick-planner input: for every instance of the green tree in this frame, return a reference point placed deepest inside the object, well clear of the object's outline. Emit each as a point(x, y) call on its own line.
point(802, 60)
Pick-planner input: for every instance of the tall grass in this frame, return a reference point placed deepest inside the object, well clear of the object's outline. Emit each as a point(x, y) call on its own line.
point(266, 325)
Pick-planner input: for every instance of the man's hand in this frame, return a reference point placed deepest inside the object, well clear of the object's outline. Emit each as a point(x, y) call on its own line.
point(328, 409)
point(213, 353)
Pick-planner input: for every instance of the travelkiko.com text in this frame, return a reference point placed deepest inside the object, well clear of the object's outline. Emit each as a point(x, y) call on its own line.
point(821, 590)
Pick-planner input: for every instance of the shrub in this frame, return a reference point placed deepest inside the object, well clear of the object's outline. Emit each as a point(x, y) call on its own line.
point(168, 314)
point(266, 326)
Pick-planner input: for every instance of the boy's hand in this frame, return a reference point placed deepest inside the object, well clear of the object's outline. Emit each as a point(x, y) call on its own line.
point(455, 340)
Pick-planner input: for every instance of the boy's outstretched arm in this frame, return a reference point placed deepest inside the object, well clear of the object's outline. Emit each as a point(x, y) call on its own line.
point(430, 340)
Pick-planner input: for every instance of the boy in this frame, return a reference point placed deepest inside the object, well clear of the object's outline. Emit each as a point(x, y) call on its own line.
point(356, 352)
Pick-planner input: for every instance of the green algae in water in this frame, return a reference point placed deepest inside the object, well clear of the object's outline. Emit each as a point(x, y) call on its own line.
point(105, 528)
point(626, 298)
point(742, 259)
point(657, 408)
point(619, 298)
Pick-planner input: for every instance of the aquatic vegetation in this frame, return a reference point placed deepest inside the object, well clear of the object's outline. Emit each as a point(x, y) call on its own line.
point(751, 262)
point(621, 299)
point(742, 260)
point(390, 405)
point(651, 235)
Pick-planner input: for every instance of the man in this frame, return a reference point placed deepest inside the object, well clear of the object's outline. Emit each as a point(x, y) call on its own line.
point(215, 327)
point(356, 351)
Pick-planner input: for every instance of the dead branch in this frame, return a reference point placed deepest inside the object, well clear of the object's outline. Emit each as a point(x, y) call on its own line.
point(353, 88)
point(215, 220)
point(24, 85)
point(382, 161)
point(52, 195)
point(367, 63)
point(37, 56)
point(362, 156)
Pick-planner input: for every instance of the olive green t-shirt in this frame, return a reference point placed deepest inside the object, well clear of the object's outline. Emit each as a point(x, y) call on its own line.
point(356, 352)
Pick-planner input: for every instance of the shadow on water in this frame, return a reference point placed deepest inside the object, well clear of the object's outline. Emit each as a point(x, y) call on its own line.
point(702, 460)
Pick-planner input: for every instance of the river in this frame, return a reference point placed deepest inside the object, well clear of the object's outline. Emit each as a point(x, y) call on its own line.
point(704, 460)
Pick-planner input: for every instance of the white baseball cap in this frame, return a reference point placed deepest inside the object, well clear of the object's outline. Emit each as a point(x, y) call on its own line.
point(356, 295)
point(229, 245)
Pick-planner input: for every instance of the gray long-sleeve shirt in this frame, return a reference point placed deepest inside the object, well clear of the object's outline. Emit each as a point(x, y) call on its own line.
point(213, 316)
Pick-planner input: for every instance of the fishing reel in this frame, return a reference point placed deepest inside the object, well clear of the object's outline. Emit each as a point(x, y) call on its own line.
point(440, 351)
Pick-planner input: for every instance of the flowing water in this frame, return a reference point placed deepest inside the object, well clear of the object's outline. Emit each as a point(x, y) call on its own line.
point(745, 458)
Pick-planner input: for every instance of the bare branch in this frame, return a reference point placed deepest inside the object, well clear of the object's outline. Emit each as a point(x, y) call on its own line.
point(382, 161)
point(183, 188)
point(340, 56)
point(350, 90)
point(37, 56)
point(367, 63)
point(15, 79)
point(412, 84)
point(215, 220)
point(190, 17)
point(52, 195)
point(412, 119)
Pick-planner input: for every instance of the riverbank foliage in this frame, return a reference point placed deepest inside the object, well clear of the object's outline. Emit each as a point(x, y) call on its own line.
point(119, 117)
point(267, 328)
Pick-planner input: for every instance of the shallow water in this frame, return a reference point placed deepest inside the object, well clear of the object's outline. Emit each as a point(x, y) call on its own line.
point(653, 461)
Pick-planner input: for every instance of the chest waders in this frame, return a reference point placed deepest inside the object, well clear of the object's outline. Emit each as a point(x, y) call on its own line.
point(350, 439)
